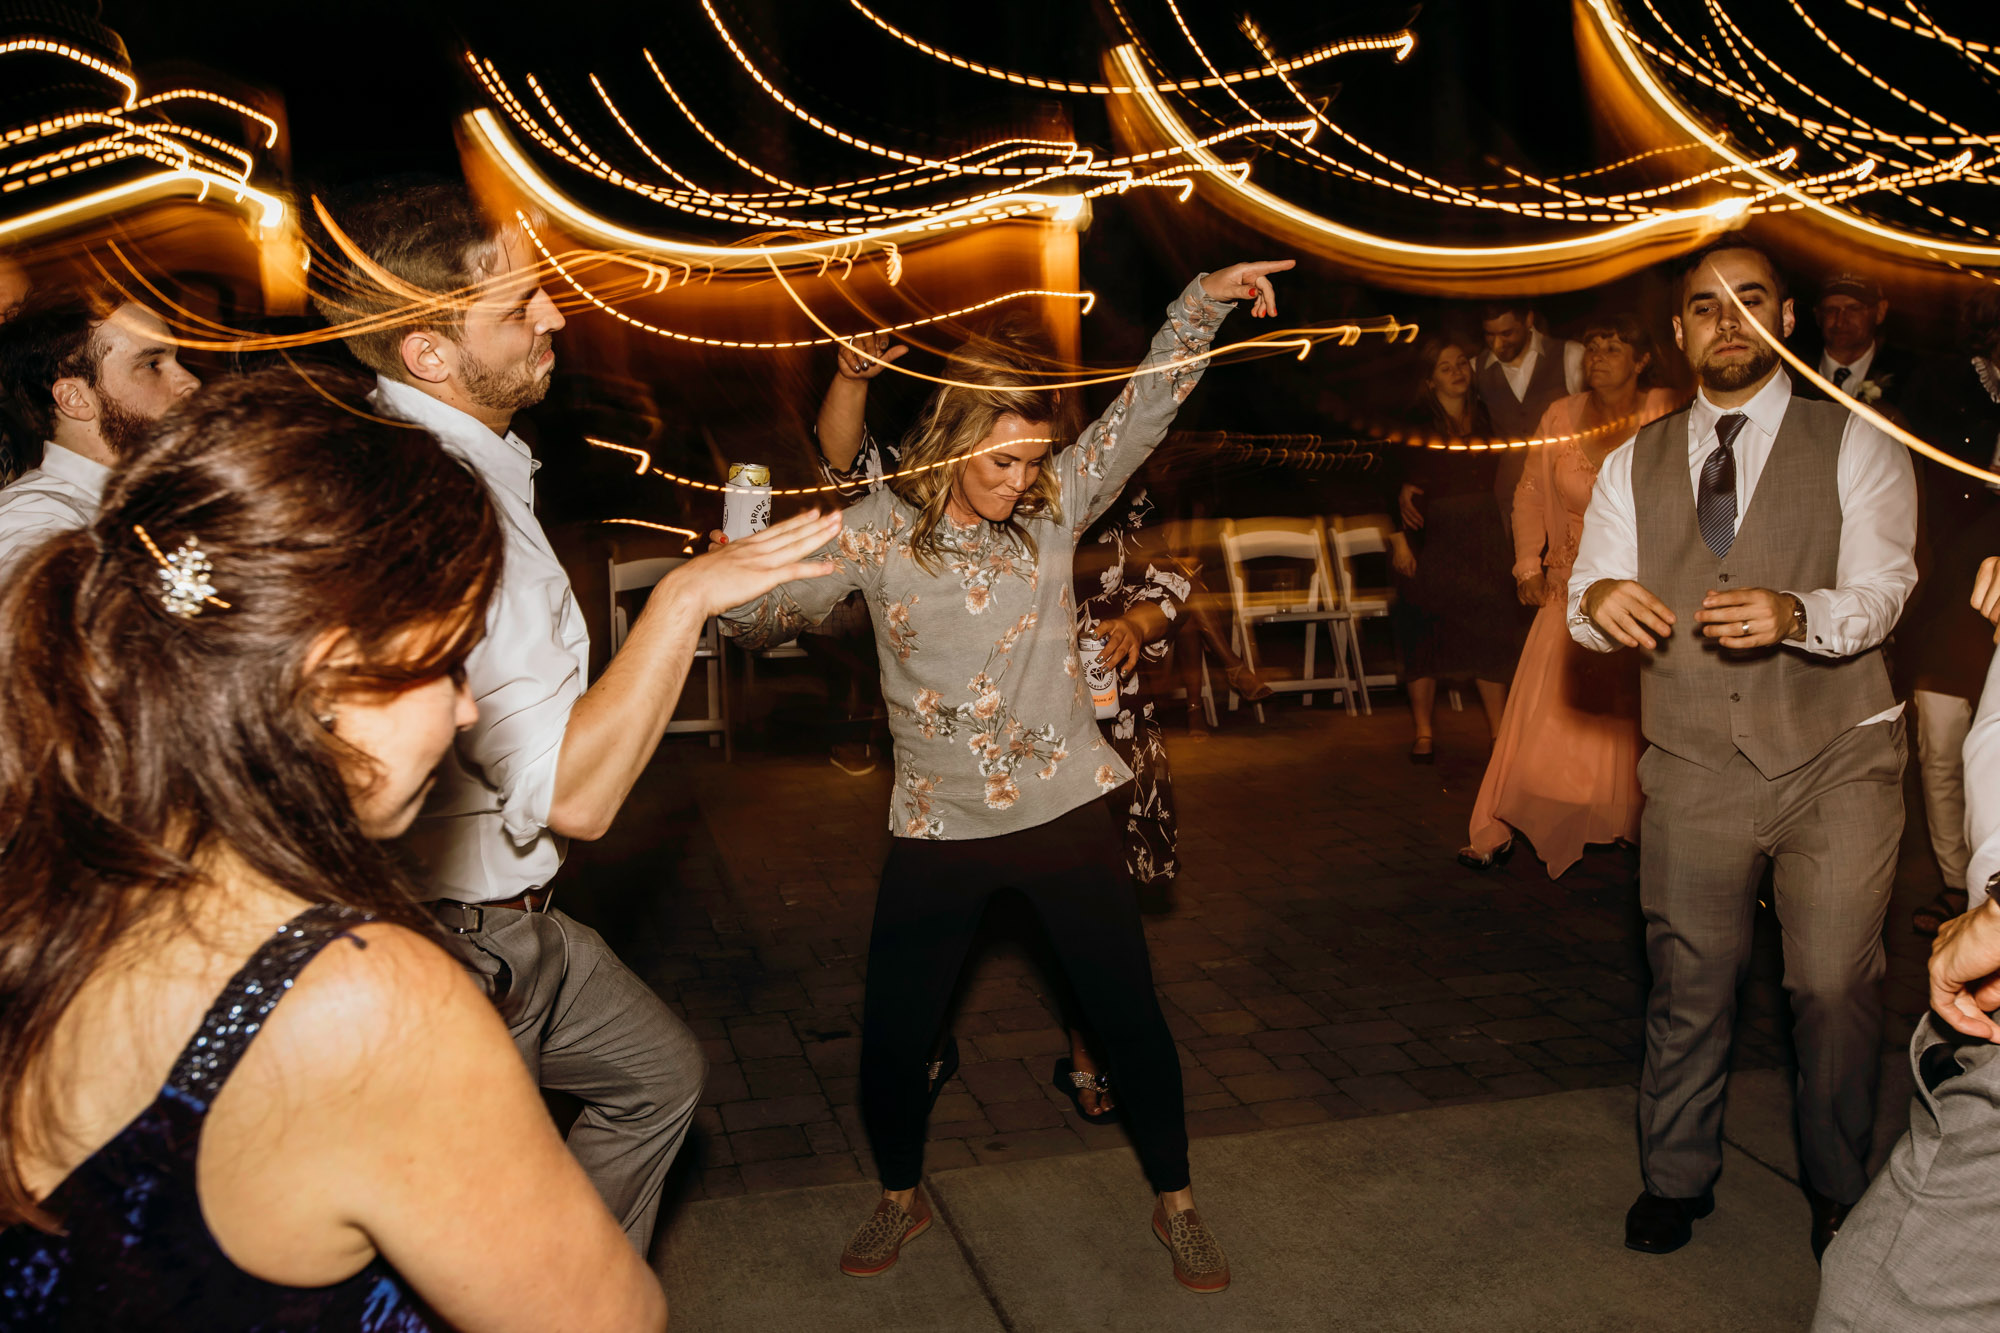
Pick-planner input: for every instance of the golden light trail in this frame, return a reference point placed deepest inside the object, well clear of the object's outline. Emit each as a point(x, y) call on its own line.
point(1446, 270)
point(1402, 43)
point(1855, 405)
point(269, 210)
point(67, 52)
point(1620, 42)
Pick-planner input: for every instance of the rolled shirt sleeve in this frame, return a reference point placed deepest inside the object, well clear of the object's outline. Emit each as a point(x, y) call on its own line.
point(1877, 566)
point(1609, 547)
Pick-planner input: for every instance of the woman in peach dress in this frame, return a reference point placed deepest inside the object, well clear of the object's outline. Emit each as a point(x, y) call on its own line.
point(1564, 767)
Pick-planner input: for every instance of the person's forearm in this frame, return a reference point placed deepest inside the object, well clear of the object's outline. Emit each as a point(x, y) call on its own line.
point(842, 422)
point(617, 724)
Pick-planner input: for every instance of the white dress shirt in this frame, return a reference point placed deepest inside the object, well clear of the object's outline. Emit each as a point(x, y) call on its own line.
point(1982, 789)
point(1857, 369)
point(1876, 567)
point(61, 495)
point(1523, 370)
point(484, 833)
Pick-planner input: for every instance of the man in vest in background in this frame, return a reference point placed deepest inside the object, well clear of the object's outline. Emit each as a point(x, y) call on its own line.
point(1523, 371)
point(1755, 548)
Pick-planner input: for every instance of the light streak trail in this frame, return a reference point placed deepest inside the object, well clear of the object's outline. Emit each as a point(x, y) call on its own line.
point(90, 62)
point(1402, 43)
point(1621, 43)
point(1855, 405)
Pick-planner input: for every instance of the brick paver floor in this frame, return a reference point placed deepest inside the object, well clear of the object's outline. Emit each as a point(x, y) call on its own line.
point(1322, 954)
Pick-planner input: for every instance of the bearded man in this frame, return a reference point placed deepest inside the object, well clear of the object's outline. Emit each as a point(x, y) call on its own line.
point(87, 375)
point(1755, 548)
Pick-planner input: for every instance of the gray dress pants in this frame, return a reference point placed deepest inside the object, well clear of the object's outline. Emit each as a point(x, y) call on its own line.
point(1917, 1253)
point(1830, 831)
point(588, 1026)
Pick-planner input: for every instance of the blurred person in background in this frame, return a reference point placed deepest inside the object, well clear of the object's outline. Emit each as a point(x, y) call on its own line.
point(245, 1086)
point(1854, 356)
point(1564, 771)
point(86, 375)
point(1454, 615)
point(547, 760)
point(1953, 403)
point(1522, 371)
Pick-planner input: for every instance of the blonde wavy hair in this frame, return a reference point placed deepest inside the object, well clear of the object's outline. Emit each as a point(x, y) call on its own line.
point(994, 375)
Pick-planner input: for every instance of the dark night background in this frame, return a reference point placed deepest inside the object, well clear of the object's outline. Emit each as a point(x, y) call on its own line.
point(372, 87)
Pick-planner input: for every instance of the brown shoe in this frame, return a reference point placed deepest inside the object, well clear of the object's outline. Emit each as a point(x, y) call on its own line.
point(1199, 1264)
point(876, 1247)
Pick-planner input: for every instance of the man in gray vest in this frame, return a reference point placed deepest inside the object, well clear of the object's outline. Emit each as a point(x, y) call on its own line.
point(1523, 371)
point(1755, 548)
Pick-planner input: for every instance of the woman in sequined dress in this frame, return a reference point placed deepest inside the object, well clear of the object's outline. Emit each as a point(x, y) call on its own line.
point(219, 702)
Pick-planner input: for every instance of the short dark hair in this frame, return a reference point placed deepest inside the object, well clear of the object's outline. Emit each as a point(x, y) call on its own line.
point(54, 337)
point(427, 232)
point(1514, 306)
point(1691, 263)
point(1979, 320)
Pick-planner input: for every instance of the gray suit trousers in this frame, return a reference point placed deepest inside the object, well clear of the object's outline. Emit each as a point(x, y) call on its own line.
point(588, 1026)
point(1917, 1252)
point(1830, 831)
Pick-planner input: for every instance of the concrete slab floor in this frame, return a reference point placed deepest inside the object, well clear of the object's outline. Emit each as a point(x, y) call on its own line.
point(1505, 1217)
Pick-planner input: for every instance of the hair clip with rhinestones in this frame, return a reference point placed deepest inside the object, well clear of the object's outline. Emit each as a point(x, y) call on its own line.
point(184, 575)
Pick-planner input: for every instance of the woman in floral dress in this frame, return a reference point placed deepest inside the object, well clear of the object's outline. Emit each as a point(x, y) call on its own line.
point(966, 568)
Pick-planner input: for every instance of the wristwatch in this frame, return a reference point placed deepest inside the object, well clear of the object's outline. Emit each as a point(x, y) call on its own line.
point(1796, 633)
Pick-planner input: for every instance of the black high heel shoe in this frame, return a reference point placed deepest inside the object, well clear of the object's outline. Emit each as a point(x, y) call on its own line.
point(1429, 756)
point(1069, 1079)
point(941, 1070)
point(1472, 860)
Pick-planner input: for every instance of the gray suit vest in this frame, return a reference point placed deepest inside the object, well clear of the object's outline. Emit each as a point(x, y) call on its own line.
point(1777, 705)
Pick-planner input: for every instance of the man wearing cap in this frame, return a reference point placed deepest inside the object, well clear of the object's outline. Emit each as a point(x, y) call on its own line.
point(1853, 357)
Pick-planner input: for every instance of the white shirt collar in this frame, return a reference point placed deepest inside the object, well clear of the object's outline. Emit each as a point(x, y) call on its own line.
point(86, 474)
point(1858, 368)
point(1766, 412)
point(504, 461)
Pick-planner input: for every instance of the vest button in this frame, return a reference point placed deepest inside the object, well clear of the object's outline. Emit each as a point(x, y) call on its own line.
point(1723, 577)
point(1736, 698)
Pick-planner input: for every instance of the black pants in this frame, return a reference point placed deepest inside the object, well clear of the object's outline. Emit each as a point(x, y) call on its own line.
point(1072, 872)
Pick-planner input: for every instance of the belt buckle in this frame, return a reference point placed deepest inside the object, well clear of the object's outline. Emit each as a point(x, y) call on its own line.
point(478, 917)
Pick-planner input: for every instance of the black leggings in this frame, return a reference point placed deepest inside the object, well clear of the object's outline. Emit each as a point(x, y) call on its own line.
point(1072, 872)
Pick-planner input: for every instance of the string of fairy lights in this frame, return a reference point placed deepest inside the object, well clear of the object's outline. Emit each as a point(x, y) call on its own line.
point(65, 155)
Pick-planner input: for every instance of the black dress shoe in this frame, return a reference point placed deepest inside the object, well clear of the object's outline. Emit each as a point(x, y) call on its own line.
point(1826, 1219)
point(1659, 1225)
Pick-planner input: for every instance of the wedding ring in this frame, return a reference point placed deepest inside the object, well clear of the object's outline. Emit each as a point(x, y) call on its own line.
point(1746, 629)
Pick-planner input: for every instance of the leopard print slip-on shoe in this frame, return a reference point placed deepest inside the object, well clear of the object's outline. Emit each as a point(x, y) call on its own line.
point(1199, 1264)
point(878, 1244)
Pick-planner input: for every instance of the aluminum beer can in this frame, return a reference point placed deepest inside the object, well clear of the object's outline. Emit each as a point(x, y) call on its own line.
point(1099, 676)
point(746, 501)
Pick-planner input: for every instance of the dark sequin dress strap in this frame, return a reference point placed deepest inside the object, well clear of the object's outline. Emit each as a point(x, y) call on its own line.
point(239, 1012)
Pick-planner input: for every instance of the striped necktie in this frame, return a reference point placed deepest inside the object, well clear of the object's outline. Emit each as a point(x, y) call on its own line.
point(1715, 506)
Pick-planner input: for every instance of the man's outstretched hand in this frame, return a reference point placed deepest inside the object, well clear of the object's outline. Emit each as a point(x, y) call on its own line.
point(731, 573)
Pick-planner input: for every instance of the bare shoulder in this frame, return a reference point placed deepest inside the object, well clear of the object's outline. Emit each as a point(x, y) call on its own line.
point(379, 992)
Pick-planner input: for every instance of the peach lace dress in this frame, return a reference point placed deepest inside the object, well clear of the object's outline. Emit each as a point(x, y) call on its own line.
point(1564, 771)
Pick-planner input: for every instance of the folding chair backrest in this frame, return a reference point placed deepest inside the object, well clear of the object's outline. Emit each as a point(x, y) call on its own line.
point(1358, 534)
point(631, 576)
point(1248, 539)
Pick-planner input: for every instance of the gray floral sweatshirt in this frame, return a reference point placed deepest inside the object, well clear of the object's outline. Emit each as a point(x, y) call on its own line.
point(992, 722)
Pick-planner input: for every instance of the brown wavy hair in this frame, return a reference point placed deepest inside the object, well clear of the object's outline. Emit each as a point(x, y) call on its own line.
point(140, 744)
point(996, 374)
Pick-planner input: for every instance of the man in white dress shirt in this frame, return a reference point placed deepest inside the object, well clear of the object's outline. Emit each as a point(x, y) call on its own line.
point(1755, 548)
point(89, 377)
point(548, 760)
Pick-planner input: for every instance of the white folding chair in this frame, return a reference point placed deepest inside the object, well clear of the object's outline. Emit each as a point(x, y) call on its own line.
point(640, 575)
point(1317, 604)
point(1350, 535)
